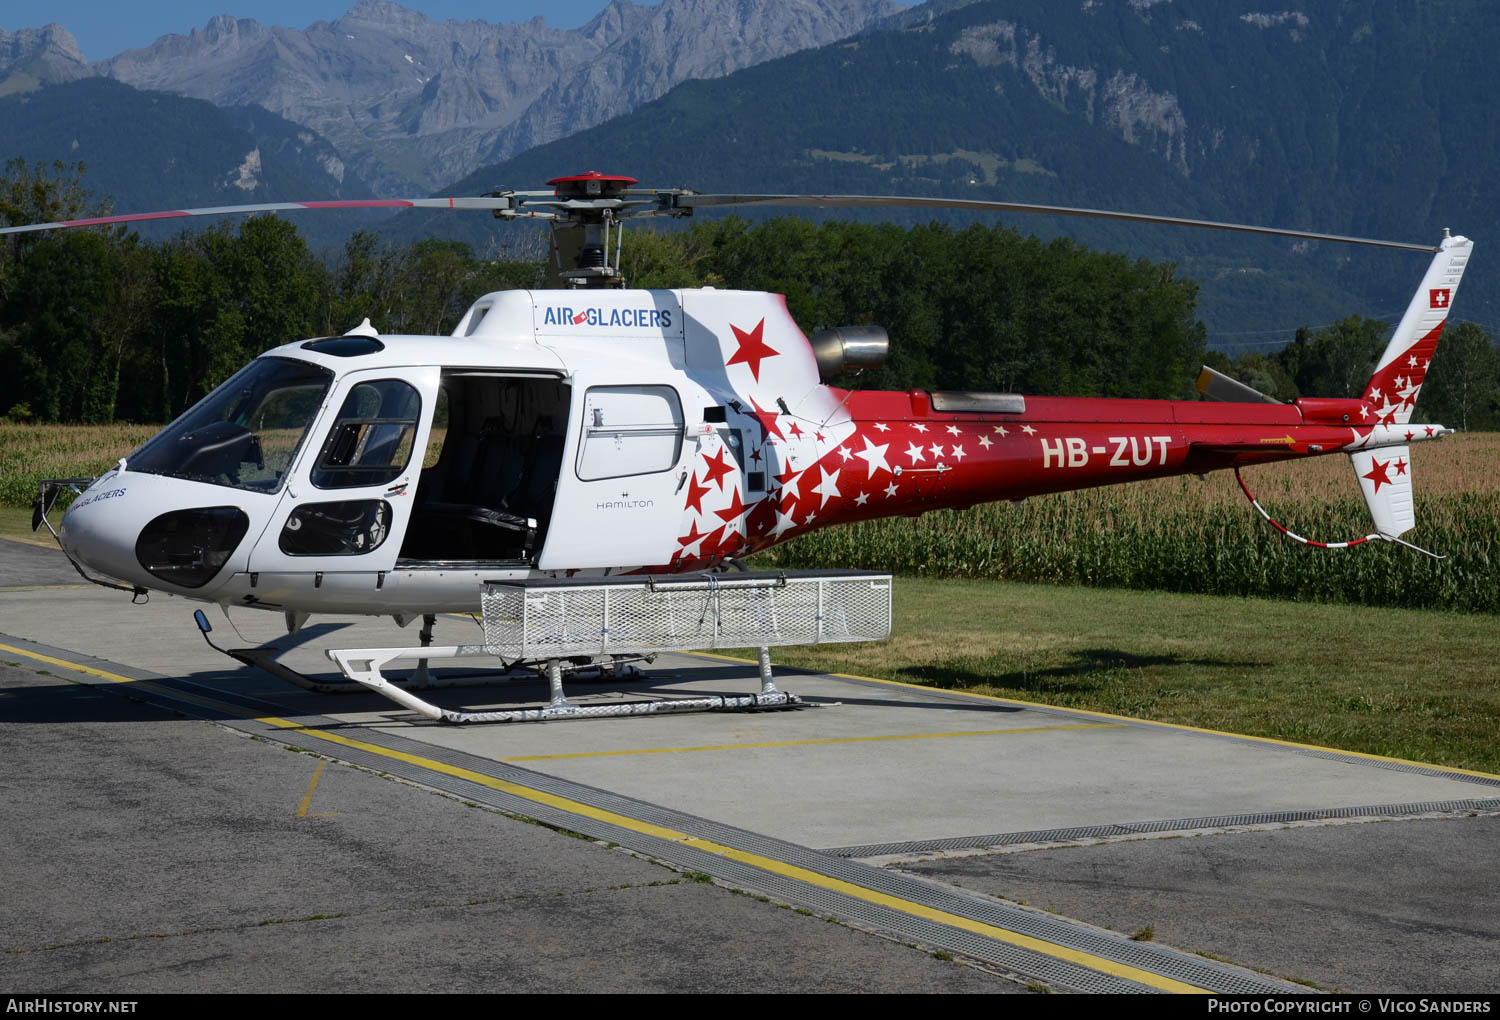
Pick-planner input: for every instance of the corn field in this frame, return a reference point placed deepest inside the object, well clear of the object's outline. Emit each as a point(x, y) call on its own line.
point(1175, 534)
point(29, 453)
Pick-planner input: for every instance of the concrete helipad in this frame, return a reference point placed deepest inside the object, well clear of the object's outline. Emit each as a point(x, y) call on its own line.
point(826, 807)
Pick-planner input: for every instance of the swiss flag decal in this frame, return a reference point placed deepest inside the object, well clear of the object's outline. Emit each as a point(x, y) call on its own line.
point(1439, 297)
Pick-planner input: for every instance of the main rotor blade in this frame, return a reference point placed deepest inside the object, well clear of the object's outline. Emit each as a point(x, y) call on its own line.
point(222, 210)
point(712, 201)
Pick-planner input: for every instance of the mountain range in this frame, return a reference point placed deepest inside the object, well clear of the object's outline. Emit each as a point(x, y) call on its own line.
point(1367, 118)
point(412, 102)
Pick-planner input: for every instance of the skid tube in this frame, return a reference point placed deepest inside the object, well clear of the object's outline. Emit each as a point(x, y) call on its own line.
point(363, 665)
point(264, 658)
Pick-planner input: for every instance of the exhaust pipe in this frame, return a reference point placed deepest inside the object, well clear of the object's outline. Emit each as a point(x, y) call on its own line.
point(849, 349)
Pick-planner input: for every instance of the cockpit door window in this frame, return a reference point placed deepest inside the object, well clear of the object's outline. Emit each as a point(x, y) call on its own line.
point(371, 440)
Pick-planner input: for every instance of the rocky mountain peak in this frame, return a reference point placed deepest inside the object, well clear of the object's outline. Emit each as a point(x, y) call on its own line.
point(32, 57)
point(414, 102)
point(384, 14)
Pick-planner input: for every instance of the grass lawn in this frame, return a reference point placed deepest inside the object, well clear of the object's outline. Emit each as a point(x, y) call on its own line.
point(15, 524)
point(1406, 683)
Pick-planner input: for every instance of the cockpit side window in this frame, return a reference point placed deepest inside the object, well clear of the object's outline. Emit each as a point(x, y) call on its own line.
point(244, 434)
point(371, 440)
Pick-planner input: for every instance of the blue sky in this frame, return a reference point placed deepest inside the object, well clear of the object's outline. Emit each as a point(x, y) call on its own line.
point(104, 29)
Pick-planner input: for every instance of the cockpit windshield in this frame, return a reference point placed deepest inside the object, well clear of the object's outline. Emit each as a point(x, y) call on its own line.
point(245, 433)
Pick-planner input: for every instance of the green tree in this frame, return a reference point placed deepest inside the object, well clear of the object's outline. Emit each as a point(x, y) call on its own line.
point(39, 193)
point(424, 288)
point(1336, 361)
point(1262, 372)
point(222, 298)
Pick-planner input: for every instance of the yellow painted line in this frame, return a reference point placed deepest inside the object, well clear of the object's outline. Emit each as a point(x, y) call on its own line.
point(75, 667)
point(307, 798)
point(516, 789)
point(1097, 963)
point(943, 917)
point(810, 743)
point(144, 685)
point(1132, 720)
point(42, 587)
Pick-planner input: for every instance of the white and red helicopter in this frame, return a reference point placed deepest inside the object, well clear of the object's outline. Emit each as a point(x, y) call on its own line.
point(597, 430)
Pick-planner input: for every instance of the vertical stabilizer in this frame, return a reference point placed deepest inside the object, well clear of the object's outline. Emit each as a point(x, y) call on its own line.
point(1403, 367)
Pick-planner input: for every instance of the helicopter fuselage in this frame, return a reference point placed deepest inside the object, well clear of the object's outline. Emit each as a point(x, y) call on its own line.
point(601, 431)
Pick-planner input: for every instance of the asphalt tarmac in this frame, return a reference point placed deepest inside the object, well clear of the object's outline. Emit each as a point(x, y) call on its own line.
point(182, 823)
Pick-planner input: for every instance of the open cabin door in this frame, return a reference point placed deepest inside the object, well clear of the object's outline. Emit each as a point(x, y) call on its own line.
point(489, 479)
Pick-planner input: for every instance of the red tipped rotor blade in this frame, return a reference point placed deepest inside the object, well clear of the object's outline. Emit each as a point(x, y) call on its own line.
point(231, 210)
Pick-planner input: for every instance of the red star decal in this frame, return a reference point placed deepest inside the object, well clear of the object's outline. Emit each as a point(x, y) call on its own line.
point(753, 349)
point(1400, 467)
point(819, 437)
point(762, 515)
point(795, 431)
point(1429, 430)
point(755, 456)
point(1409, 434)
point(692, 536)
point(1377, 474)
point(695, 494)
point(767, 421)
point(713, 544)
point(716, 469)
point(733, 510)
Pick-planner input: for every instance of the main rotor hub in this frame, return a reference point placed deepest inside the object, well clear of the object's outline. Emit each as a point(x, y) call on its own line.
point(587, 210)
point(592, 184)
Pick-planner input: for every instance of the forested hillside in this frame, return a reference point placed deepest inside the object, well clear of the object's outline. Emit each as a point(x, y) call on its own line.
point(1365, 118)
point(152, 150)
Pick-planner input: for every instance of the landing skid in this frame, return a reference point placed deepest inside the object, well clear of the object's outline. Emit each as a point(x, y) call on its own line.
point(577, 626)
point(421, 680)
point(363, 666)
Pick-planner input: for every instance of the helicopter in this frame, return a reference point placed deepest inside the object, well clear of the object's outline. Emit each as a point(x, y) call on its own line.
point(589, 429)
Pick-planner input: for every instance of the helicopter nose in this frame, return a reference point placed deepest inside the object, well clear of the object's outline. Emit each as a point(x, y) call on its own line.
point(98, 533)
point(127, 528)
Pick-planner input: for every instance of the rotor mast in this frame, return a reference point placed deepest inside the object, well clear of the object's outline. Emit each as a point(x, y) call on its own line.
point(587, 212)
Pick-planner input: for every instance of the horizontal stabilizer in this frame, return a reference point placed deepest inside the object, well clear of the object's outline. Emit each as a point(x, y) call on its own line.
point(1228, 390)
point(1385, 478)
